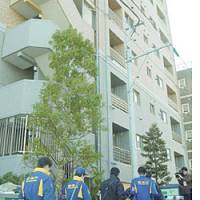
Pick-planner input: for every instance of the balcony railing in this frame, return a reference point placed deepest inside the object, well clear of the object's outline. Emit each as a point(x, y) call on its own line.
point(117, 57)
point(119, 103)
point(13, 135)
point(177, 137)
point(116, 18)
point(173, 104)
point(189, 145)
point(121, 155)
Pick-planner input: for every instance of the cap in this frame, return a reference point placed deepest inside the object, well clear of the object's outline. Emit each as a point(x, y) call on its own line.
point(80, 171)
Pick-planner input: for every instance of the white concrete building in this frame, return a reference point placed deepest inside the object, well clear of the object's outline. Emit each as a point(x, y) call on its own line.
point(108, 24)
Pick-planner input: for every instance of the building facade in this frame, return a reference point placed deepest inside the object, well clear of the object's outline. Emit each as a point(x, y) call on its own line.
point(119, 30)
point(185, 86)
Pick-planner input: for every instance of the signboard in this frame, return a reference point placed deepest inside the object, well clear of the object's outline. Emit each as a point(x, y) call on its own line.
point(170, 192)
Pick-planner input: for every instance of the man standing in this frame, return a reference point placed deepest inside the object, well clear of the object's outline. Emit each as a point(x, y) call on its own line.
point(143, 188)
point(112, 188)
point(185, 182)
point(160, 195)
point(76, 189)
point(39, 185)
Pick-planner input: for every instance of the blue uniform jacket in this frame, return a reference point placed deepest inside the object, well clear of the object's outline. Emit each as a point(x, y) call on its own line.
point(142, 188)
point(38, 186)
point(75, 190)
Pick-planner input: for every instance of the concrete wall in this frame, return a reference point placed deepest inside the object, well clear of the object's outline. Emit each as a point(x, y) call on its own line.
point(19, 97)
point(10, 73)
point(14, 164)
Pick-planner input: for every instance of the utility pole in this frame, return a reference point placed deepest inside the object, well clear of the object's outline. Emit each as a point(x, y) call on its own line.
point(132, 138)
point(130, 61)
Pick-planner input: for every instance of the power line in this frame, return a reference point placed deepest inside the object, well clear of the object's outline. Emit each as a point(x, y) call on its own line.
point(140, 68)
point(125, 33)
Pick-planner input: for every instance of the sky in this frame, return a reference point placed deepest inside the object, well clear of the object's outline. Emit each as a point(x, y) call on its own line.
point(184, 19)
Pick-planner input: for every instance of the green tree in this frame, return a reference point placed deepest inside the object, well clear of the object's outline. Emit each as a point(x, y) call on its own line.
point(12, 178)
point(69, 107)
point(94, 181)
point(156, 153)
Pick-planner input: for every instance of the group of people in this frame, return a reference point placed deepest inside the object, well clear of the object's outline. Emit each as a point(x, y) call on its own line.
point(40, 186)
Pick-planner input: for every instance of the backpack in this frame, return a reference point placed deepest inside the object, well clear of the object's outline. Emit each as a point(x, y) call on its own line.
point(108, 190)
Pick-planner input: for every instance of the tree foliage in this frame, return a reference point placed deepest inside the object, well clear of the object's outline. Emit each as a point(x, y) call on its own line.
point(12, 178)
point(69, 107)
point(156, 154)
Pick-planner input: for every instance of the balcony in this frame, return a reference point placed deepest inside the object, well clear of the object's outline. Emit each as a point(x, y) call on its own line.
point(179, 160)
point(172, 98)
point(27, 8)
point(121, 155)
point(176, 130)
point(116, 18)
point(121, 147)
point(172, 104)
point(119, 103)
point(27, 41)
point(177, 137)
point(189, 146)
point(117, 58)
point(168, 66)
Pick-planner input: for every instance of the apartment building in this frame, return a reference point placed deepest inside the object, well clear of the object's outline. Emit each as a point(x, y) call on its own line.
point(25, 30)
point(185, 86)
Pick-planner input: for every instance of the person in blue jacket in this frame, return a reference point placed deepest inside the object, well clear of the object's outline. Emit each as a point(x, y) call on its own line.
point(160, 195)
point(76, 189)
point(143, 188)
point(39, 185)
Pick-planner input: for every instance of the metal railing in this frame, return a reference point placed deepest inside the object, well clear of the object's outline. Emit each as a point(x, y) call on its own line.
point(13, 135)
point(177, 137)
point(116, 18)
point(117, 57)
point(121, 155)
point(119, 103)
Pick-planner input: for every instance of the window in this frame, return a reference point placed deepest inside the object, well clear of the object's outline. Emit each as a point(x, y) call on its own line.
point(169, 157)
point(163, 116)
point(153, 23)
point(142, 9)
point(181, 83)
point(134, 55)
point(159, 82)
point(136, 96)
point(157, 52)
point(146, 40)
point(189, 135)
point(129, 22)
point(190, 164)
point(139, 143)
point(161, 15)
point(152, 109)
point(185, 108)
point(149, 72)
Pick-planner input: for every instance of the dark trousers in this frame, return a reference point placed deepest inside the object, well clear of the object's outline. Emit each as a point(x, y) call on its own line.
point(187, 196)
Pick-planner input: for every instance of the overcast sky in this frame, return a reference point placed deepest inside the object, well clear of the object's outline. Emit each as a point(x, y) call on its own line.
point(185, 22)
